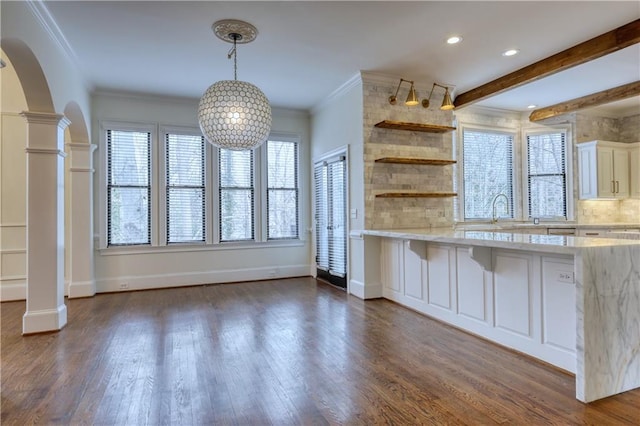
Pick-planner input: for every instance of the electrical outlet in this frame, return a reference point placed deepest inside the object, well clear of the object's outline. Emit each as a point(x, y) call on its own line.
point(564, 276)
point(124, 286)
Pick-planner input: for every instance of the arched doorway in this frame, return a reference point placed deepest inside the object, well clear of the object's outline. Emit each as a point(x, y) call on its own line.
point(43, 170)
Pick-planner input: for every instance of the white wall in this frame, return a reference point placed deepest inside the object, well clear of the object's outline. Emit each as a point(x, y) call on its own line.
point(27, 22)
point(336, 123)
point(13, 253)
point(163, 267)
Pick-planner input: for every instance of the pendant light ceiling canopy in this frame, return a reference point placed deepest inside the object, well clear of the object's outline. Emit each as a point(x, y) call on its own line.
point(234, 114)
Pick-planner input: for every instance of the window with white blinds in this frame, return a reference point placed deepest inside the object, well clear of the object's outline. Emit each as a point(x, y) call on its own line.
point(128, 187)
point(487, 172)
point(185, 188)
point(330, 220)
point(282, 190)
point(547, 175)
point(236, 195)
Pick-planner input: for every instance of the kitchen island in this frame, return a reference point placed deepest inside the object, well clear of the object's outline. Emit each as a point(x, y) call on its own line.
point(570, 301)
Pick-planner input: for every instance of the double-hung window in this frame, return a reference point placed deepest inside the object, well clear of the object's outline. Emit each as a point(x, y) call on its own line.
point(488, 158)
point(128, 187)
point(282, 190)
point(236, 195)
point(167, 186)
point(185, 188)
point(547, 175)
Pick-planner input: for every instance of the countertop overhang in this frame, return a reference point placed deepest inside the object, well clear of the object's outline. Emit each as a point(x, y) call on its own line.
point(560, 244)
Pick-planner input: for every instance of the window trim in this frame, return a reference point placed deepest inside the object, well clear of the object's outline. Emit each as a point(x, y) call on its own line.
point(162, 187)
point(568, 152)
point(103, 178)
point(158, 229)
point(515, 177)
point(280, 137)
point(253, 188)
point(520, 168)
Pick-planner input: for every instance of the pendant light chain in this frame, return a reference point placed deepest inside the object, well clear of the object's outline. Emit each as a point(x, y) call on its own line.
point(235, 59)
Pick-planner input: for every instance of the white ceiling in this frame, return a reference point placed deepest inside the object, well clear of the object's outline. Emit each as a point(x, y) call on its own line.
point(306, 49)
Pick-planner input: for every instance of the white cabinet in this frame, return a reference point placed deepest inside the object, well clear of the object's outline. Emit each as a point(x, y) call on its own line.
point(522, 300)
point(604, 169)
point(514, 295)
point(558, 300)
point(593, 232)
point(634, 170)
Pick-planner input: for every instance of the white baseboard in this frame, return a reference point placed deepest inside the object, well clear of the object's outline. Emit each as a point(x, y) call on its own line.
point(44, 320)
point(146, 282)
point(14, 291)
point(359, 289)
point(81, 289)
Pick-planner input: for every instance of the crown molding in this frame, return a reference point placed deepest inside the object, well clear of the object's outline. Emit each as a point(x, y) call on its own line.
point(345, 87)
point(50, 26)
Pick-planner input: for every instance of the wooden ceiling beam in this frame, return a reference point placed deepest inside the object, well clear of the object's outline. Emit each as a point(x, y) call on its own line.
point(597, 47)
point(610, 95)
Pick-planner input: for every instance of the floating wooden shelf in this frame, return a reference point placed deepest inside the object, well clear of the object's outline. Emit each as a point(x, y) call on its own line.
point(416, 195)
point(406, 160)
point(416, 127)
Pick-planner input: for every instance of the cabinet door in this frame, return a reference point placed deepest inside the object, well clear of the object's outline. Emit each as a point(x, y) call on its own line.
point(588, 169)
point(621, 172)
point(634, 172)
point(606, 184)
point(513, 293)
point(391, 253)
point(558, 304)
point(439, 276)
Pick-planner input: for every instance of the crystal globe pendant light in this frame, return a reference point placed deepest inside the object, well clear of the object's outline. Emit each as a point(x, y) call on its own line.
point(234, 114)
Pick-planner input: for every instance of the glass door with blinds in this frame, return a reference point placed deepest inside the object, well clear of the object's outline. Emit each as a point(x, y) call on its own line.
point(330, 221)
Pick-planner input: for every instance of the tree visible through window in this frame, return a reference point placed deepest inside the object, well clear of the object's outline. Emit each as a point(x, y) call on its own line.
point(128, 189)
point(185, 191)
point(282, 190)
point(547, 176)
point(488, 171)
point(236, 195)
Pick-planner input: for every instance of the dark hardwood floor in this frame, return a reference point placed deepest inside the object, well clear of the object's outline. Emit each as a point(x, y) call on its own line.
point(281, 352)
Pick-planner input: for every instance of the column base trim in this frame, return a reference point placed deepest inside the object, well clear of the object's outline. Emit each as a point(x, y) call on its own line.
point(44, 320)
point(81, 289)
point(362, 291)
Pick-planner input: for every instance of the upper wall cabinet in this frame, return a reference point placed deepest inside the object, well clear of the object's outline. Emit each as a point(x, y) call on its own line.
point(604, 170)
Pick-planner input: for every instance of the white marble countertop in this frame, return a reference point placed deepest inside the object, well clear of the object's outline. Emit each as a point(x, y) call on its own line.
point(544, 225)
point(560, 244)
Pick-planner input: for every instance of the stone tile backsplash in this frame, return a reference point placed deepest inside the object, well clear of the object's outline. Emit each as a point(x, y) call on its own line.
point(385, 213)
point(608, 211)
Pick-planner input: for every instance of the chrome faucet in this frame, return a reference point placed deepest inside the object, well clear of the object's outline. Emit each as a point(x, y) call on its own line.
point(494, 218)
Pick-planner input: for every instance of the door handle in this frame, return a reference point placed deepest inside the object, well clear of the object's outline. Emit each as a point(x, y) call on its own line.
point(617, 186)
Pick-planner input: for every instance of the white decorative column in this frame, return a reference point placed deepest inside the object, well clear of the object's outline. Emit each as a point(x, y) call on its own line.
point(81, 276)
point(46, 310)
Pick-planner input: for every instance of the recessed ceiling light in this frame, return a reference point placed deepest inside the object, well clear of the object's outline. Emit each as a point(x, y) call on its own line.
point(532, 106)
point(454, 39)
point(510, 52)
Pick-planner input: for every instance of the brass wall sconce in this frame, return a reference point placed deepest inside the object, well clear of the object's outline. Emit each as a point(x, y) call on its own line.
point(412, 98)
point(447, 103)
